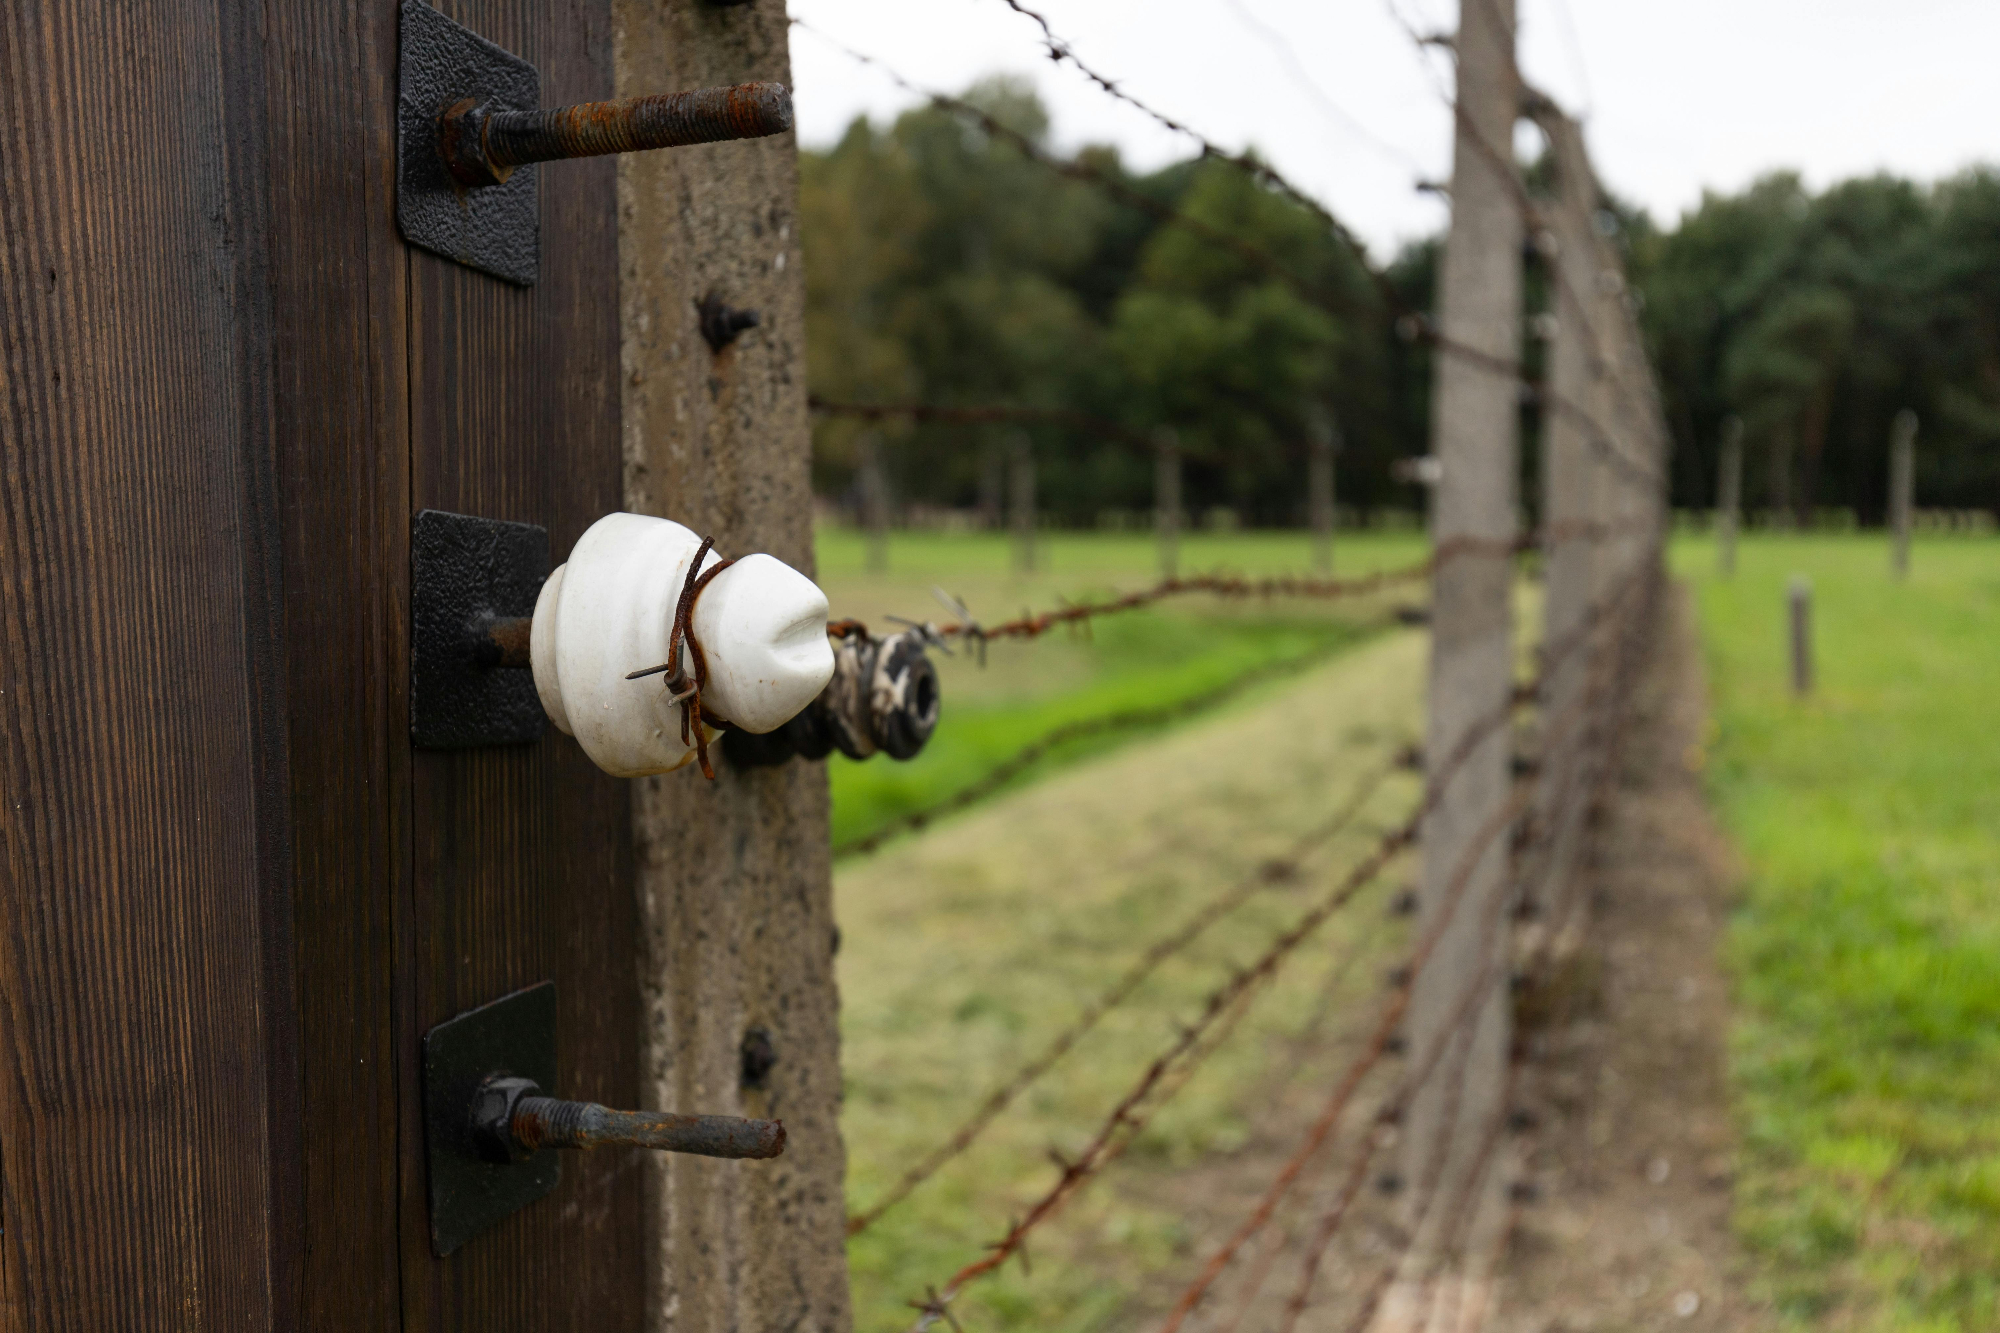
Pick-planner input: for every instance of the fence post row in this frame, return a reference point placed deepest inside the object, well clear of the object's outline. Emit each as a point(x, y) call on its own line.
point(1464, 879)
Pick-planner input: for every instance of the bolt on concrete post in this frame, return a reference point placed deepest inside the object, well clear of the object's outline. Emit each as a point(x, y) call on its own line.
point(1729, 495)
point(1474, 422)
point(1798, 599)
point(1902, 488)
point(874, 501)
point(1167, 499)
point(1323, 444)
point(1023, 506)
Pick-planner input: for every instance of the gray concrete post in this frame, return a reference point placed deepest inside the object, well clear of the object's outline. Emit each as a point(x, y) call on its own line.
point(735, 880)
point(1476, 402)
point(1902, 489)
point(1574, 528)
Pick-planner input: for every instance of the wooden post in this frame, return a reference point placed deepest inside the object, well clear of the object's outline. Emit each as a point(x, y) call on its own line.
point(1798, 600)
point(1323, 442)
point(1167, 499)
point(1023, 506)
point(735, 877)
point(1902, 487)
point(1729, 495)
point(874, 501)
point(1476, 401)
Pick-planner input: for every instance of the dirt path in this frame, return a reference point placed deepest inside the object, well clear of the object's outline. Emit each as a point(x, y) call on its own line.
point(1630, 1164)
point(1624, 1219)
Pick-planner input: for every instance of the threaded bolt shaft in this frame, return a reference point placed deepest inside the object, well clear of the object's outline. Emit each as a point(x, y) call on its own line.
point(549, 1122)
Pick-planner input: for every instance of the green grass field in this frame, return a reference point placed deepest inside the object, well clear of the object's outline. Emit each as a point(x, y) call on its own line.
point(1179, 654)
point(1866, 947)
point(967, 948)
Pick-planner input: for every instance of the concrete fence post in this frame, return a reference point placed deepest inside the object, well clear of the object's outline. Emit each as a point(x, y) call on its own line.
point(735, 877)
point(1459, 1002)
point(1902, 488)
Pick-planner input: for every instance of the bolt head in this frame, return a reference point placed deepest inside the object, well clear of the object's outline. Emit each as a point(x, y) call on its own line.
point(493, 1118)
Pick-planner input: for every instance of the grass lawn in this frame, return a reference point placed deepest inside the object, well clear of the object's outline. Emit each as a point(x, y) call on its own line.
point(967, 948)
point(1866, 947)
point(1181, 652)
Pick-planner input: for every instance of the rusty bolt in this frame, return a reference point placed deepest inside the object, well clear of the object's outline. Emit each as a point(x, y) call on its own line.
point(482, 146)
point(502, 641)
point(511, 1121)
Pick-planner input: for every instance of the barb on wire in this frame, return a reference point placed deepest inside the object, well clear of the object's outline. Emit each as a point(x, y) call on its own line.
point(1271, 872)
point(1131, 1114)
point(1419, 323)
point(1062, 52)
point(1350, 1082)
point(1134, 1110)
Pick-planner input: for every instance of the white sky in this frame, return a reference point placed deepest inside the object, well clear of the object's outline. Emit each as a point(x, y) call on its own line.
point(1678, 95)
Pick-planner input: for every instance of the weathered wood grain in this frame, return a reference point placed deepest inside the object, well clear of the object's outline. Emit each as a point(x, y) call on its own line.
point(145, 1111)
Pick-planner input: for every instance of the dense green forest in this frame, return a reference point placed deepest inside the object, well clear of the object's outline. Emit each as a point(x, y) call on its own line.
point(945, 267)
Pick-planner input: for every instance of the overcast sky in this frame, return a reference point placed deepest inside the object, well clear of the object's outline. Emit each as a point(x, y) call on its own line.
point(1678, 95)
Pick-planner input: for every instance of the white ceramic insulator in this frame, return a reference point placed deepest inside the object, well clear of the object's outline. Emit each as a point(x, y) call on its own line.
point(609, 612)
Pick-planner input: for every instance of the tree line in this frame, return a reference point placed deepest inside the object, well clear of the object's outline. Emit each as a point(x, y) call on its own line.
point(946, 268)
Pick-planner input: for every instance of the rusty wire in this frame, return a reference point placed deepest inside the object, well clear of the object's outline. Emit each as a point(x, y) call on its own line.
point(1418, 323)
point(1061, 51)
point(1586, 710)
point(1134, 1110)
point(1273, 871)
point(1131, 1114)
point(1350, 1082)
point(683, 689)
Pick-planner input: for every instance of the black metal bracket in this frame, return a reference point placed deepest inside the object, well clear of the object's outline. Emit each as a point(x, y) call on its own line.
point(515, 1035)
point(466, 574)
point(497, 229)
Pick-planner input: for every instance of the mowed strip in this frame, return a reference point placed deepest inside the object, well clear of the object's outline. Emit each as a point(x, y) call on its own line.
point(966, 950)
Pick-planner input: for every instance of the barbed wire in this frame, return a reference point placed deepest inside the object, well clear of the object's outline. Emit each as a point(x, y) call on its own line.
point(1580, 712)
point(1062, 52)
point(1130, 1115)
point(1277, 870)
